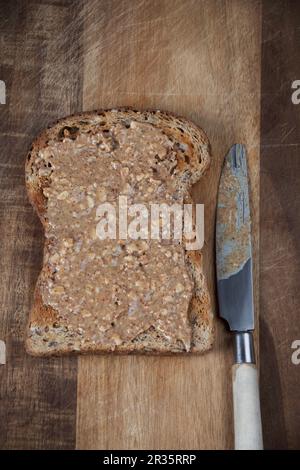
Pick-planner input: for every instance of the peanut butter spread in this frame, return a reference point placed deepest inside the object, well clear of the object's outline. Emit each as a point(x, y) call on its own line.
point(233, 241)
point(110, 291)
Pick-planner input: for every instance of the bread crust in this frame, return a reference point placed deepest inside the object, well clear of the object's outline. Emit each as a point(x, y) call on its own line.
point(197, 163)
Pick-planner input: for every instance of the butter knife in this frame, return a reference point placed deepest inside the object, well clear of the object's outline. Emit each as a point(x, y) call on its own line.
point(235, 294)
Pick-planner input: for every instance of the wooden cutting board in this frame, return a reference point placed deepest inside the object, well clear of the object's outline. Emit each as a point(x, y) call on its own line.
point(197, 58)
point(200, 59)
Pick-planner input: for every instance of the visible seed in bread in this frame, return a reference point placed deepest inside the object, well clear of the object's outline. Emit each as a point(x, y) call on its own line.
point(179, 288)
point(63, 195)
point(54, 258)
point(68, 242)
point(58, 290)
point(116, 338)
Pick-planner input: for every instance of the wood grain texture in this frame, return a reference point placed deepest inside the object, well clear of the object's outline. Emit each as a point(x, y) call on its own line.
point(38, 65)
point(200, 59)
point(280, 225)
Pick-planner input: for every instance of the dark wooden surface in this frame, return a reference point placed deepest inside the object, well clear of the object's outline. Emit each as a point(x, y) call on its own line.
point(39, 66)
point(280, 224)
point(41, 62)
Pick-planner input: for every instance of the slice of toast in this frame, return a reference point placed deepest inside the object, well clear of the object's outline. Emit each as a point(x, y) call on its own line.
point(116, 295)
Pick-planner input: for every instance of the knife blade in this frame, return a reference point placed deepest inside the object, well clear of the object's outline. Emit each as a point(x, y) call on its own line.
point(233, 243)
point(235, 292)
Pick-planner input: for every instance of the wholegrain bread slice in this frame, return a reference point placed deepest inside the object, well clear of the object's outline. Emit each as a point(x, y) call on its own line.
point(63, 330)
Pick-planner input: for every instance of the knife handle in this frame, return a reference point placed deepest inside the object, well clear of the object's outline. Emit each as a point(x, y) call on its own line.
point(246, 404)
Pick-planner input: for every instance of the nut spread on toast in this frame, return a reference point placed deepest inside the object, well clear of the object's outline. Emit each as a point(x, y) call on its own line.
point(122, 286)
